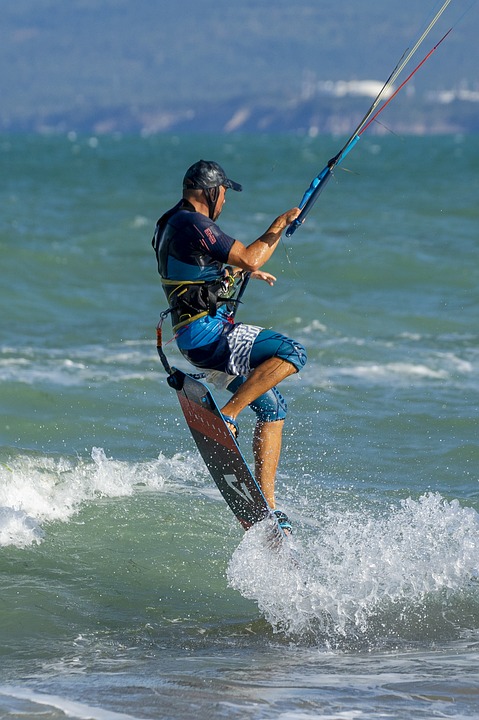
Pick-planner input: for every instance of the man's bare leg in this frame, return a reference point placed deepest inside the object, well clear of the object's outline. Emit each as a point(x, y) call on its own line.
point(262, 379)
point(268, 435)
point(267, 449)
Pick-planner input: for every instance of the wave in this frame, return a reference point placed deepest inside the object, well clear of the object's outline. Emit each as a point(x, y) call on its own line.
point(356, 573)
point(36, 490)
point(78, 366)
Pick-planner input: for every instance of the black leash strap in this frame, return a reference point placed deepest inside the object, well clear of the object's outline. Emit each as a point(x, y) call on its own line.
point(159, 343)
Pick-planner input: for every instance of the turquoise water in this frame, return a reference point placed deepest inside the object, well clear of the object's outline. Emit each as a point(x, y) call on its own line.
point(128, 588)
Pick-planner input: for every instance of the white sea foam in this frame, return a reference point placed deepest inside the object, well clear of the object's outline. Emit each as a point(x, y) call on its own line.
point(70, 708)
point(36, 490)
point(446, 368)
point(19, 529)
point(83, 365)
point(396, 370)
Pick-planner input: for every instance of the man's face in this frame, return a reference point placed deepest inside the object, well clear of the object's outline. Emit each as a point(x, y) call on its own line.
point(220, 202)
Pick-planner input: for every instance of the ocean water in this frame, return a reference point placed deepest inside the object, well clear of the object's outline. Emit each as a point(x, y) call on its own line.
point(128, 589)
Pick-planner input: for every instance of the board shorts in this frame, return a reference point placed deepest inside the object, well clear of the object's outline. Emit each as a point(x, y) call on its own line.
point(239, 350)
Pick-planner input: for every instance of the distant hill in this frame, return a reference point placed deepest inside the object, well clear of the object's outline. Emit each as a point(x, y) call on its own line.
point(256, 65)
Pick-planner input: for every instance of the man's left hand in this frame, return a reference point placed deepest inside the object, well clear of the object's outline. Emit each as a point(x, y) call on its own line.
point(267, 277)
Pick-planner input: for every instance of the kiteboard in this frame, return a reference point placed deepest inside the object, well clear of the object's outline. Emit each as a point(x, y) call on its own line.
point(221, 453)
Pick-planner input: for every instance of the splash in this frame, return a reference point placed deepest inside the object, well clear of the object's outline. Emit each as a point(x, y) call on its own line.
point(360, 576)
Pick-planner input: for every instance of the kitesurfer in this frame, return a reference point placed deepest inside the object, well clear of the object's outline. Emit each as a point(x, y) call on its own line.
point(199, 265)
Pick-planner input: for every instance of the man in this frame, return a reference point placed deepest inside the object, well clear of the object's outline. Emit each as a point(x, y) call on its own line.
point(199, 265)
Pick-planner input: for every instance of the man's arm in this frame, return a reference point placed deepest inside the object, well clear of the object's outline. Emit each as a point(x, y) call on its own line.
point(252, 257)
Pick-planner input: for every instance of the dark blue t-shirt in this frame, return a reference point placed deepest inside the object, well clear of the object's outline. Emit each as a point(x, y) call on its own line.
point(192, 247)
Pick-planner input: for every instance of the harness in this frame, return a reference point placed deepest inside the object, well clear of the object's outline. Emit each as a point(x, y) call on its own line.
point(191, 300)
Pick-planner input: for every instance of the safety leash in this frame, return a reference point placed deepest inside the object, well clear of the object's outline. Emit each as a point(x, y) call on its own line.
point(159, 342)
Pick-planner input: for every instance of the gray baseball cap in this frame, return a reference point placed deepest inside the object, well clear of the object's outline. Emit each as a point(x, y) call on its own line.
point(206, 174)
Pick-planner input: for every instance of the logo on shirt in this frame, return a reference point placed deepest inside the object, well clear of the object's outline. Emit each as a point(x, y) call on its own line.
point(210, 235)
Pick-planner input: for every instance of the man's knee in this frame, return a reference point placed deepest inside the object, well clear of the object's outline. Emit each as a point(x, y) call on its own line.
point(294, 353)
